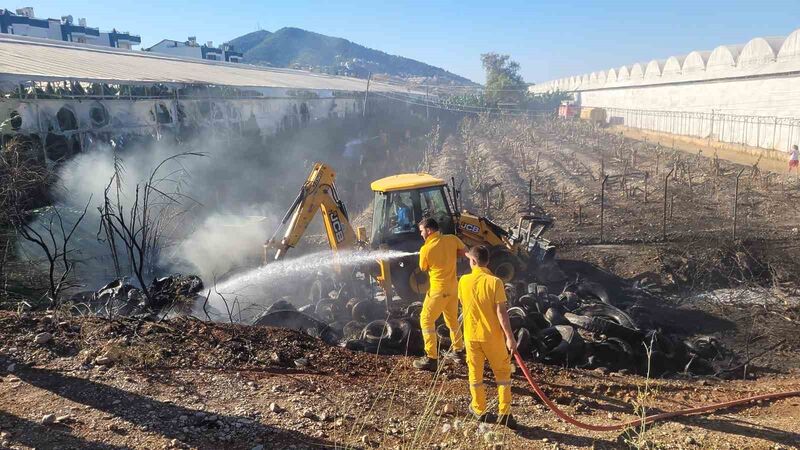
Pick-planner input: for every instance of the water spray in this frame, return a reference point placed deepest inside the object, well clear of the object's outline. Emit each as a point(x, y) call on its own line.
point(250, 286)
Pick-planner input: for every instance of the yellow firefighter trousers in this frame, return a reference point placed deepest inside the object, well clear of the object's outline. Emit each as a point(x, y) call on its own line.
point(434, 305)
point(500, 362)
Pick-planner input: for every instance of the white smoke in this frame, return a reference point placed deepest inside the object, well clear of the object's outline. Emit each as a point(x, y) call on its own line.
point(219, 223)
point(223, 243)
point(230, 199)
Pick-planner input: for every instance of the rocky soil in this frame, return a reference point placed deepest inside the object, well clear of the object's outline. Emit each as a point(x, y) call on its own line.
point(88, 383)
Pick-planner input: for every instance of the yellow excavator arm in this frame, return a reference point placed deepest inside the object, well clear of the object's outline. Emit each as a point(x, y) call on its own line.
point(318, 193)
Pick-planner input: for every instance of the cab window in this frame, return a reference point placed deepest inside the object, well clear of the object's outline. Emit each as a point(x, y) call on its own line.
point(433, 204)
point(395, 215)
point(401, 213)
point(378, 216)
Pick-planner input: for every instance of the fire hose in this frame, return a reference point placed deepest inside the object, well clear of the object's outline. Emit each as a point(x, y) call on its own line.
point(646, 420)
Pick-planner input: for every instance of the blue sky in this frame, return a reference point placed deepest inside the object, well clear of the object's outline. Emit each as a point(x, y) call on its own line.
point(548, 39)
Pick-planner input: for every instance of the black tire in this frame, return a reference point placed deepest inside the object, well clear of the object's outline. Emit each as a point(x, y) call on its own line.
point(575, 345)
point(301, 322)
point(352, 329)
point(281, 305)
point(401, 329)
point(548, 339)
point(365, 311)
point(326, 310)
point(555, 316)
point(569, 299)
point(589, 289)
point(606, 327)
point(504, 265)
point(409, 283)
point(536, 322)
point(524, 342)
point(529, 303)
point(707, 347)
point(413, 311)
point(607, 312)
point(377, 331)
point(350, 303)
point(517, 317)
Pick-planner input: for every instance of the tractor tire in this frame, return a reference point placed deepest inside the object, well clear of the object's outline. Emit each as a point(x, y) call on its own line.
point(504, 265)
point(409, 283)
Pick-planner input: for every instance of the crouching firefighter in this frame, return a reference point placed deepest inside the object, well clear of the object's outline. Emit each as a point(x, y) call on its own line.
point(488, 335)
point(438, 257)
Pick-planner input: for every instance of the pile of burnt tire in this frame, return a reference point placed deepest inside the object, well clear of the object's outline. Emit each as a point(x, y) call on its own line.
point(357, 324)
point(120, 298)
point(580, 327)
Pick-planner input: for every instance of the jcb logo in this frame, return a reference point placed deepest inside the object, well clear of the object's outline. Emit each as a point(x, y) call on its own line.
point(336, 226)
point(470, 227)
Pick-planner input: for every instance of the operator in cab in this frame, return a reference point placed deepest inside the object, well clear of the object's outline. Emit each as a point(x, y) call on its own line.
point(438, 257)
point(404, 218)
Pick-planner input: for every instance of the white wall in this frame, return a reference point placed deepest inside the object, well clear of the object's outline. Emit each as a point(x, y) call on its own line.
point(747, 94)
point(763, 112)
point(773, 96)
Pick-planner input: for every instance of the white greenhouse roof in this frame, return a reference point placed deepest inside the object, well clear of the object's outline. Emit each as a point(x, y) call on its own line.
point(760, 57)
point(32, 59)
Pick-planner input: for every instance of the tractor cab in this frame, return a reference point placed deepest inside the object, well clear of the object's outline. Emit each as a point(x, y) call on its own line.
point(401, 202)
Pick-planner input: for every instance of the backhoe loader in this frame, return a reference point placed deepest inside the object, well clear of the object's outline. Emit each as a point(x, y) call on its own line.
point(400, 202)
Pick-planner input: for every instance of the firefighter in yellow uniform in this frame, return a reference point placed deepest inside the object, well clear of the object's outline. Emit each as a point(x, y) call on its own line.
point(487, 334)
point(438, 257)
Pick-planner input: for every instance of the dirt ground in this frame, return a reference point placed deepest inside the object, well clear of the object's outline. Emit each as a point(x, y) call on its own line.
point(774, 161)
point(230, 386)
point(187, 384)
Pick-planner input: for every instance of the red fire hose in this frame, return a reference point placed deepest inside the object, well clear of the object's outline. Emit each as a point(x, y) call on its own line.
point(648, 419)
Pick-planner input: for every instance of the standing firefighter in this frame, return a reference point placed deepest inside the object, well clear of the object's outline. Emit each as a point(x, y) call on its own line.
point(488, 335)
point(438, 257)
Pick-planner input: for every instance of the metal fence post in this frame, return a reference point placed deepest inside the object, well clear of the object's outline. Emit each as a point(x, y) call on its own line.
point(736, 202)
point(602, 206)
point(666, 196)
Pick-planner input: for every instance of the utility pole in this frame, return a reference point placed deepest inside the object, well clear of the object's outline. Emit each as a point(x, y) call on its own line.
point(366, 93)
point(427, 108)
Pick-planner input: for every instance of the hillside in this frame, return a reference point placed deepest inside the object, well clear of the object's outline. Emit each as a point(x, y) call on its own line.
point(250, 40)
point(293, 47)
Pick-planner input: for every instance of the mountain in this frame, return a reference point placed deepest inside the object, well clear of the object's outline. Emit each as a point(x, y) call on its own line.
point(296, 48)
point(249, 40)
